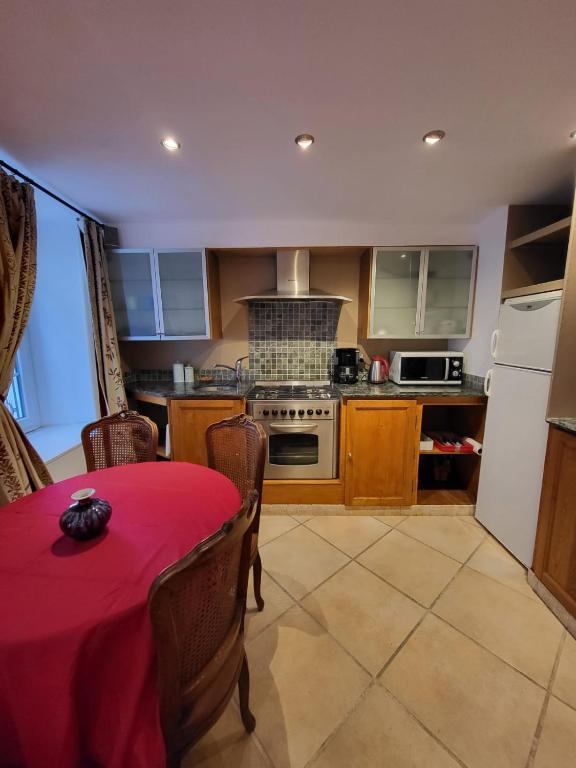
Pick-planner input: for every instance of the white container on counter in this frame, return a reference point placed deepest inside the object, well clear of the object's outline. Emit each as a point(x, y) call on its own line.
point(178, 373)
point(189, 374)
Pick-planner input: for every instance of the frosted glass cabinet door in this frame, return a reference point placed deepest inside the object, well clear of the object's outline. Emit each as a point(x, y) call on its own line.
point(132, 280)
point(395, 286)
point(446, 297)
point(182, 290)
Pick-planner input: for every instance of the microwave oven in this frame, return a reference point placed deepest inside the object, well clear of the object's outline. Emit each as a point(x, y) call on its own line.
point(437, 368)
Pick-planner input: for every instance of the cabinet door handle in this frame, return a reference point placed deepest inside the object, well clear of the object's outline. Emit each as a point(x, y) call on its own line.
point(349, 455)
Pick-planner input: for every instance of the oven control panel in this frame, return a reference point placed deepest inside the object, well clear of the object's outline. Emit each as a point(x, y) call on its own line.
point(290, 410)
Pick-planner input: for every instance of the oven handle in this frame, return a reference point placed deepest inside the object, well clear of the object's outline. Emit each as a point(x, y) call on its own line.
point(293, 427)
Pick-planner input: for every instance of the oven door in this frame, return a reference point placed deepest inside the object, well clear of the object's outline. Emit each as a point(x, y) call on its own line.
point(300, 450)
point(424, 370)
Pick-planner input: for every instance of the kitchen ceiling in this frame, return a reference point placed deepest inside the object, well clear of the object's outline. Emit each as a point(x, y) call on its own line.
point(90, 88)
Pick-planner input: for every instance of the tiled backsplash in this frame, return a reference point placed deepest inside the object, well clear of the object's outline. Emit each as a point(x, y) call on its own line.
point(292, 339)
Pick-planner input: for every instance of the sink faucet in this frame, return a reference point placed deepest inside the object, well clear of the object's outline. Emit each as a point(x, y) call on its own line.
point(237, 369)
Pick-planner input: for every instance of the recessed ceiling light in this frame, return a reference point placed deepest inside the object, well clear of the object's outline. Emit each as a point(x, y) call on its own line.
point(573, 134)
point(304, 140)
point(170, 144)
point(433, 137)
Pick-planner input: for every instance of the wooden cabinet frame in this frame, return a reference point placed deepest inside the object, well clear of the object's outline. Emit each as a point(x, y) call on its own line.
point(368, 281)
point(211, 289)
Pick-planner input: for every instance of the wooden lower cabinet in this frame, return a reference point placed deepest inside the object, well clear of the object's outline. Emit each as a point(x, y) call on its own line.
point(555, 550)
point(382, 448)
point(189, 420)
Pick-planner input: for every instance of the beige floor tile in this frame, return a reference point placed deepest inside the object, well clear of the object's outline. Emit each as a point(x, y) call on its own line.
point(448, 535)
point(226, 745)
point(412, 567)
point(272, 526)
point(302, 687)
point(479, 707)
point(493, 560)
point(274, 509)
point(300, 560)
point(519, 630)
point(350, 534)
point(557, 745)
point(380, 732)
point(391, 520)
point(565, 683)
point(276, 601)
point(302, 518)
point(303, 512)
point(368, 617)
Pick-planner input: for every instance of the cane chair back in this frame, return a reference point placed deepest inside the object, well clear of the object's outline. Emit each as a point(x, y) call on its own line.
point(197, 608)
point(125, 438)
point(236, 448)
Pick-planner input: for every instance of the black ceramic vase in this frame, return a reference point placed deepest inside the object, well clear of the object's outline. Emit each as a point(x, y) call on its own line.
point(87, 517)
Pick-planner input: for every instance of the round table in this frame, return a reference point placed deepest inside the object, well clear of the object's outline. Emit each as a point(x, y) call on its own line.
point(77, 661)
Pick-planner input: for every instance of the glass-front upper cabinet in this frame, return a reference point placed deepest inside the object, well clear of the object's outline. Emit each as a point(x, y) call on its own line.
point(183, 294)
point(396, 287)
point(447, 296)
point(421, 292)
point(132, 284)
point(162, 294)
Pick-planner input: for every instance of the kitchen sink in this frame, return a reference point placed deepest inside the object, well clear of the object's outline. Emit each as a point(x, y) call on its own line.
point(225, 389)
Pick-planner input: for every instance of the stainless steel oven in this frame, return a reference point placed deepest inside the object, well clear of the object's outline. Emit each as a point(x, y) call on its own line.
point(302, 437)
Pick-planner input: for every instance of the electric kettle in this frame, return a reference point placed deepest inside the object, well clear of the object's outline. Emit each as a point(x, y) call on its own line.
point(378, 371)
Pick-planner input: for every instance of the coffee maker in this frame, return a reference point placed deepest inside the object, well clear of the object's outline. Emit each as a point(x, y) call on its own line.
point(346, 361)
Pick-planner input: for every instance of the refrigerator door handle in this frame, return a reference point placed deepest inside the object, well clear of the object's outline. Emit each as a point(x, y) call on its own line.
point(494, 343)
point(487, 381)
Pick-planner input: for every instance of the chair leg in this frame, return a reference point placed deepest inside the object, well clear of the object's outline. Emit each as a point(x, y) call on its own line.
point(257, 573)
point(248, 718)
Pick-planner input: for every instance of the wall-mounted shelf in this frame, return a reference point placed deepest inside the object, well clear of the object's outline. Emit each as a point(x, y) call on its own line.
point(527, 290)
point(553, 234)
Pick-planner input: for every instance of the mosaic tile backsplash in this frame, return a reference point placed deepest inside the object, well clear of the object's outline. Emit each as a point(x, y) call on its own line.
point(292, 339)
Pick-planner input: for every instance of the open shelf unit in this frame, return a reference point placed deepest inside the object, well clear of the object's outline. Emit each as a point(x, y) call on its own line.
point(536, 248)
point(450, 478)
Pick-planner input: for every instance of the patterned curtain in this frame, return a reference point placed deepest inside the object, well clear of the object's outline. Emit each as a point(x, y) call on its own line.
point(21, 469)
point(110, 381)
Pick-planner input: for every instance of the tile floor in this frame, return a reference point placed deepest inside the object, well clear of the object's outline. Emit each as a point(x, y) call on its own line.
point(400, 642)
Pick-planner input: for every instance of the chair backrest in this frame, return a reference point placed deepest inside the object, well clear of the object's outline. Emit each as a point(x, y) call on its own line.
point(197, 608)
point(236, 447)
point(124, 438)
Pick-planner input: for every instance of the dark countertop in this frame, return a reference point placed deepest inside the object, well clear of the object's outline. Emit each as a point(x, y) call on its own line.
point(391, 391)
point(360, 391)
point(567, 424)
point(170, 390)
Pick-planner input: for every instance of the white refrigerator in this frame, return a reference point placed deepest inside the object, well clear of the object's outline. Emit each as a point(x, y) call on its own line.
point(516, 429)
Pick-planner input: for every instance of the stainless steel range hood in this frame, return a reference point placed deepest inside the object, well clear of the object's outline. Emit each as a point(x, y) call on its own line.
point(293, 280)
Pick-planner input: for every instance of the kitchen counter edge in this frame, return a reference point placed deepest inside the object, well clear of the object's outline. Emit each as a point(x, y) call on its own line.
point(168, 390)
point(566, 424)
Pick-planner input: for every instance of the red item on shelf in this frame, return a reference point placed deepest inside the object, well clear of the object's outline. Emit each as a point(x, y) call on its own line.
point(449, 442)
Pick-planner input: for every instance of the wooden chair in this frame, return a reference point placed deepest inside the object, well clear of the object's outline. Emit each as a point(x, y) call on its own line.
point(237, 448)
point(197, 608)
point(125, 438)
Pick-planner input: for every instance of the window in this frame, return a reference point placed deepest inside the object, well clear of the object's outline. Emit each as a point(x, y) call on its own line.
point(21, 400)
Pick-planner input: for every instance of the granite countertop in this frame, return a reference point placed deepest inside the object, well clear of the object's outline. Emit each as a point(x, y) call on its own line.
point(567, 424)
point(360, 391)
point(170, 390)
point(391, 391)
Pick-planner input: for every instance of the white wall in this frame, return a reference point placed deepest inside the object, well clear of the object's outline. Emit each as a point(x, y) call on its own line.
point(491, 239)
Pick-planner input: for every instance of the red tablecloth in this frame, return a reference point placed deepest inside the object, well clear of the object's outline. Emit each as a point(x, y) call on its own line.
point(77, 668)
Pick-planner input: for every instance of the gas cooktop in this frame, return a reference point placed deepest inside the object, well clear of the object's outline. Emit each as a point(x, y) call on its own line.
point(293, 390)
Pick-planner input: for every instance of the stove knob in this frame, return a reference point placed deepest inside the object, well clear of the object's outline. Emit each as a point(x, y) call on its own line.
point(327, 413)
point(301, 412)
point(318, 411)
point(310, 412)
point(292, 412)
point(265, 412)
point(283, 412)
point(274, 412)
